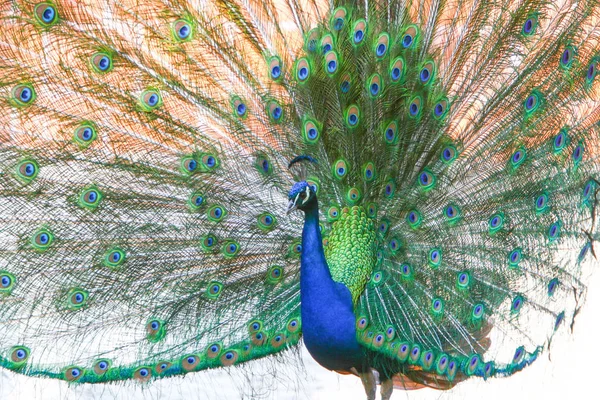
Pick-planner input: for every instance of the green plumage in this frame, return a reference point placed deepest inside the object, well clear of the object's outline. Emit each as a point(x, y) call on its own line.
point(144, 180)
point(351, 250)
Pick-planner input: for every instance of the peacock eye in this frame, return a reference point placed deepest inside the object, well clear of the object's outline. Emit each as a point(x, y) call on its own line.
point(302, 195)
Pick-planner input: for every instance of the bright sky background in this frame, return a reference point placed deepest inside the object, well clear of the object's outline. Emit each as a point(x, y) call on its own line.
point(571, 374)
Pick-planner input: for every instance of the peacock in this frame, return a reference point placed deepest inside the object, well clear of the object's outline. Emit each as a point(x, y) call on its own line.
point(408, 188)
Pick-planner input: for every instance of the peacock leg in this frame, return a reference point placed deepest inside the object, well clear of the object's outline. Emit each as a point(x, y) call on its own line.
point(387, 388)
point(368, 380)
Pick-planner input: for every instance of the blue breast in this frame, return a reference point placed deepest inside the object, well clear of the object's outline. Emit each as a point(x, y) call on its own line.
point(328, 320)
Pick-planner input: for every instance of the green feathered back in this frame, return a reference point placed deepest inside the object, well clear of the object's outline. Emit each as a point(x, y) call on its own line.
point(144, 179)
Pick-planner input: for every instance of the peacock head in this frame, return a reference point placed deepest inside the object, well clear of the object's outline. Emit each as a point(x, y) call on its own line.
point(302, 196)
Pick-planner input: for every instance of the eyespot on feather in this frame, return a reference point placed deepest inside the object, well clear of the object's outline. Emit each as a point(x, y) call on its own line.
point(240, 109)
point(381, 46)
point(426, 75)
point(100, 367)
point(84, 135)
point(23, 95)
point(331, 62)
point(409, 37)
point(143, 374)
point(302, 70)
point(182, 30)
point(397, 69)
point(161, 367)
point(190, 362)
point(338, 18)
point(27, 170)
point(213, 351)
point(73, 373)
point(375, 86)
point(19, 355)
point(359, 32)
point(45, 14)
point(327, 43)
point(352, 116)
point(213, 290)
point(42, 239)
point(101, 62)
point(229, 357)
point(150, 100)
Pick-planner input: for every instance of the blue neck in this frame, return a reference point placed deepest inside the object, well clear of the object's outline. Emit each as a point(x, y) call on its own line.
point(328, 320)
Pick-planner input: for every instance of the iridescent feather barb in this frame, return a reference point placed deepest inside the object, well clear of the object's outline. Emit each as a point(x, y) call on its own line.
point(144, 180)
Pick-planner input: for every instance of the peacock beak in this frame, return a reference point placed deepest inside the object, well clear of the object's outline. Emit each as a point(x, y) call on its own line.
point(292, 205)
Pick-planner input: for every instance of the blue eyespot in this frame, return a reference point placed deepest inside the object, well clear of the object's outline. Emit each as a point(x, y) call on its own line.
point(424, 75)
point(591, 72)
point(374, 89)
point(517, 156)
point(381, 48)
point(438, 110)
point(567, 57)
point(389, 134)
point(29, 169)
point(352, 119)
point(528, 26)
point(554, 231)
point(184, 31)
point(396, 73)
point(103, 365)
point(87, 133)
point(552, 285)
point(345, 86)
point(5, 281)
point(152, 100)
point(241, 109)
point(210, 161)
point(43, 238)
point(303, 73)
point(25, 95)
point(275, 72)
point(358, 36)
point(407, 41)
point(559, 141)
point(331, 66)
point(154, 325)
point(413, 109)
point(48, 14)
point(327, 48)
point(578, 154)
point(517, 303)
